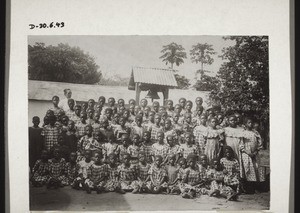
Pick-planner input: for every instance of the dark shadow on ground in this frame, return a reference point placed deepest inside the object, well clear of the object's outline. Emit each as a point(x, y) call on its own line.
point(48, 199)
point(69, 199)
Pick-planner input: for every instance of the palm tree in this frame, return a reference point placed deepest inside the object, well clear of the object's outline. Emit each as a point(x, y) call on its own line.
point(173, 54)
point(201, 53)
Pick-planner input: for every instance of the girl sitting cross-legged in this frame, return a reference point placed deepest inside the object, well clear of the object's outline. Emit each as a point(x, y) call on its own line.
point(192, 180)
point(158, 176)
point(40, 170)
point(215, 174)
point(128, 175)
point(96, 175)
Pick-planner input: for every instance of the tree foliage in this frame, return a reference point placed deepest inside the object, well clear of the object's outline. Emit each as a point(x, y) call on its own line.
point(173, 54)
point(182, 81)
point(201, 53)
point(206, 83)
point(244, 76)
point(115, 80)
point(61, 63)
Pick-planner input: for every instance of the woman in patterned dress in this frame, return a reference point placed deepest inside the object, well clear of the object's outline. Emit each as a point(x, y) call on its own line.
point(233, 136)
point(249, 147)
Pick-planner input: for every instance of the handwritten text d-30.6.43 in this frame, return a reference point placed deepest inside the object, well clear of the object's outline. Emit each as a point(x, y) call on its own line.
point(47, 25)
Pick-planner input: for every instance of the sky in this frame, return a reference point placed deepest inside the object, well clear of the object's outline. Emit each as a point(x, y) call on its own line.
point(118, 54)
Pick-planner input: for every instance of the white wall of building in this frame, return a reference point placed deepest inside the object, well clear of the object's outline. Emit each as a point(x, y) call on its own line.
point(39, 107)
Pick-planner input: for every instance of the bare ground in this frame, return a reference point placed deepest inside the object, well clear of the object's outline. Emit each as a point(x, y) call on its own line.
point(68, 199)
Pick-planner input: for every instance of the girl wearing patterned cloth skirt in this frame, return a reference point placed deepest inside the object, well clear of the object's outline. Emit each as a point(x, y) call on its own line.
point(128, 175)
point(158, 176)
point(113, 183)
point(188, 147)
point(50, 134)
point(217, 186)
point(40, 171)
point(199, 131)
point(134, 149)
point(230, 168)
point(142, 173)
point(88, 142)
point(174, 149)
point(96, 175)
point(249, 147)
point(172, 170)
point(122, 148)
point(175, 187)
point(71, 168)
point(203, 168)
point(146, 146)
point(83, 165)
point(109, 147)
point(192, 180)
point(96, 125)
point(57, 176)
point(155, 128)
point(213, 138)
point(160, 147)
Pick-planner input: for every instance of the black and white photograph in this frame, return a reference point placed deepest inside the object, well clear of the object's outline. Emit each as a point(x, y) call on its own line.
point(148, 122)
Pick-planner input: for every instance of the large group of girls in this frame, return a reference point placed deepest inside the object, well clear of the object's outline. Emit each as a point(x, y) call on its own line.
point(179, 148)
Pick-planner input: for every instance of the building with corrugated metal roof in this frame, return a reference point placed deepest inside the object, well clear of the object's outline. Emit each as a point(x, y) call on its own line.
point(152, 80)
